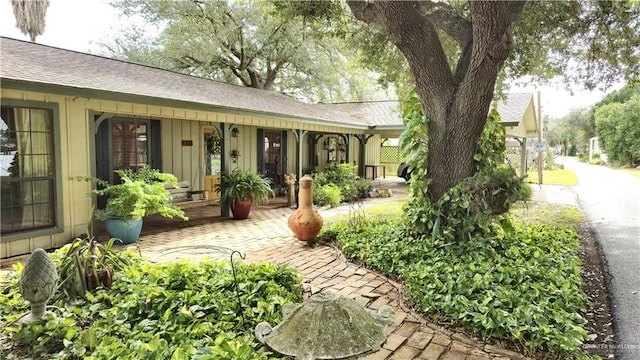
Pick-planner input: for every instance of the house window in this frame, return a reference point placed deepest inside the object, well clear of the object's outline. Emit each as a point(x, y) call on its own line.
point(27, 168)
point(130, 144)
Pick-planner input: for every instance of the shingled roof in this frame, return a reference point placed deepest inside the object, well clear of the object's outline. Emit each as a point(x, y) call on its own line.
point(27, 62)
point(83, 74)
point(513, 107)
point(377, 113)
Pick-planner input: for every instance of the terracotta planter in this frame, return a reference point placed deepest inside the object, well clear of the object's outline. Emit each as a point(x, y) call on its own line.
point(305, 222)
point(240, 209)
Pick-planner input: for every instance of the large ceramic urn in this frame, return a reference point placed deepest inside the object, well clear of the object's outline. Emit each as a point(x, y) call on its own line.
point(305, 222)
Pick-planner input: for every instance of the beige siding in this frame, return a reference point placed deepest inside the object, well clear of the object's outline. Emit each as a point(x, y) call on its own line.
point(75, 138)
point(372, 153)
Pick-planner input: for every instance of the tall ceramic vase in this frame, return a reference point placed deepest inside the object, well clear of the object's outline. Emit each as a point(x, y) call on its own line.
point(305, 222)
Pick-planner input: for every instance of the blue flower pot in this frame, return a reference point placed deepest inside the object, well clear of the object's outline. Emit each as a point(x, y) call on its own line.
point(126, 231)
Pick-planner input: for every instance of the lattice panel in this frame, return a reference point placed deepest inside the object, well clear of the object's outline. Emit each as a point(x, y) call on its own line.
point(390, 155)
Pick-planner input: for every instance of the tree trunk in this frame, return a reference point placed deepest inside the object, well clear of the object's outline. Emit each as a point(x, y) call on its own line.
point(456, 102)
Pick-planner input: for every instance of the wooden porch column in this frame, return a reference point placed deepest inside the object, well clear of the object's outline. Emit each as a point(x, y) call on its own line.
point(313, 146)
point(299, 134)
point(363, 138)
point(225, 162)
point(523, 157)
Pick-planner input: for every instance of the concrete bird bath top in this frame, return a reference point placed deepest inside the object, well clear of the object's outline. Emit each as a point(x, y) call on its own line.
point(327, 326)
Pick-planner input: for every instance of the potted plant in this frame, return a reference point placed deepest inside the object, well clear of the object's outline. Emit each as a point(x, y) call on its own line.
point(140, 193)
point(86, 265)
point(241, 188)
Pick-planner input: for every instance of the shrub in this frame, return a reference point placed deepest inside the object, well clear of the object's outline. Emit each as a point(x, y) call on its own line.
point(328, 194)
point(341, 176)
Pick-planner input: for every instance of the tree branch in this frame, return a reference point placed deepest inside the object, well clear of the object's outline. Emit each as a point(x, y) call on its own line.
point(418, 40)
point(455, 26)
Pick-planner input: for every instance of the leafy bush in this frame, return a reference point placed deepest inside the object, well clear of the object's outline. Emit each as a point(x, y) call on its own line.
point(521, 284)
point(341, 176)
point(328, 194)
point(177, 310)
point(617, 125)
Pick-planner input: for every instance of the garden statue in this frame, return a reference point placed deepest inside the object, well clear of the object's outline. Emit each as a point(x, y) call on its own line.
point(37, 283)
point(305, 222)
point(327, 326)
point(290, 180)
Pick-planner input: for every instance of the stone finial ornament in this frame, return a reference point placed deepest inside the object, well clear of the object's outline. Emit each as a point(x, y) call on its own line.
point(327, 326)
point(37, 283)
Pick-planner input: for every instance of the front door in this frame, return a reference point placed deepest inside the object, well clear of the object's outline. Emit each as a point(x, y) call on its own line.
point(213, 161)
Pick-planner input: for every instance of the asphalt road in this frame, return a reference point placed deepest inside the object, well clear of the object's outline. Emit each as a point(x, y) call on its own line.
point(611, 201)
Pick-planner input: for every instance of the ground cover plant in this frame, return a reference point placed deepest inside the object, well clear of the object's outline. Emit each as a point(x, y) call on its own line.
point(521, 284)
point(182, 310)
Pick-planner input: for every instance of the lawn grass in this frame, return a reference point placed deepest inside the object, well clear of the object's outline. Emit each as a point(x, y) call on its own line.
point(387, 211)
point(547, 214)
point(553, 177)
point(634, 172)
point(525, 213)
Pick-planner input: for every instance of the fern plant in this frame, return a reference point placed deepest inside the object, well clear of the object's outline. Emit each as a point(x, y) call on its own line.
point(141, 193)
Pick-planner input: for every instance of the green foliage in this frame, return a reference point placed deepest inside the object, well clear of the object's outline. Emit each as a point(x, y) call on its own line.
point(599, 37)
point(490, 146)
point(341, 176)
point(572, 131)
point(522, 284)
point(327, 194)
point(618, 124)
point(141, 193)
point(80, 263)
point(181, 310)
point(283, 46)
point(240, 184)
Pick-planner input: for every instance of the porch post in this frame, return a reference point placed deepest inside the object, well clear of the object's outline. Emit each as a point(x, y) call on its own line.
point(313, 147)
point(225, 162)
point(363, 138)
point(523, 157)
point(299, 134)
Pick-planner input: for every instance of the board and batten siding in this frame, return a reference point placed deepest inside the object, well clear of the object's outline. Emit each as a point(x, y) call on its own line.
point(76, 138)
point(372, 150)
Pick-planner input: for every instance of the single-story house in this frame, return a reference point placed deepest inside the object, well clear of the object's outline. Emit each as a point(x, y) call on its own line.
point(66, 114)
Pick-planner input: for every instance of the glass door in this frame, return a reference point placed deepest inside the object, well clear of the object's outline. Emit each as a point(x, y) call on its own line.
point(213, 161)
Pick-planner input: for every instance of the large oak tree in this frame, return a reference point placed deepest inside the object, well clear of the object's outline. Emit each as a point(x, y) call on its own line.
point(264, 44)
point(589, 41)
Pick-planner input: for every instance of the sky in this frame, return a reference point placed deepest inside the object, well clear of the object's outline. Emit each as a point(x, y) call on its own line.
point(80, 25)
